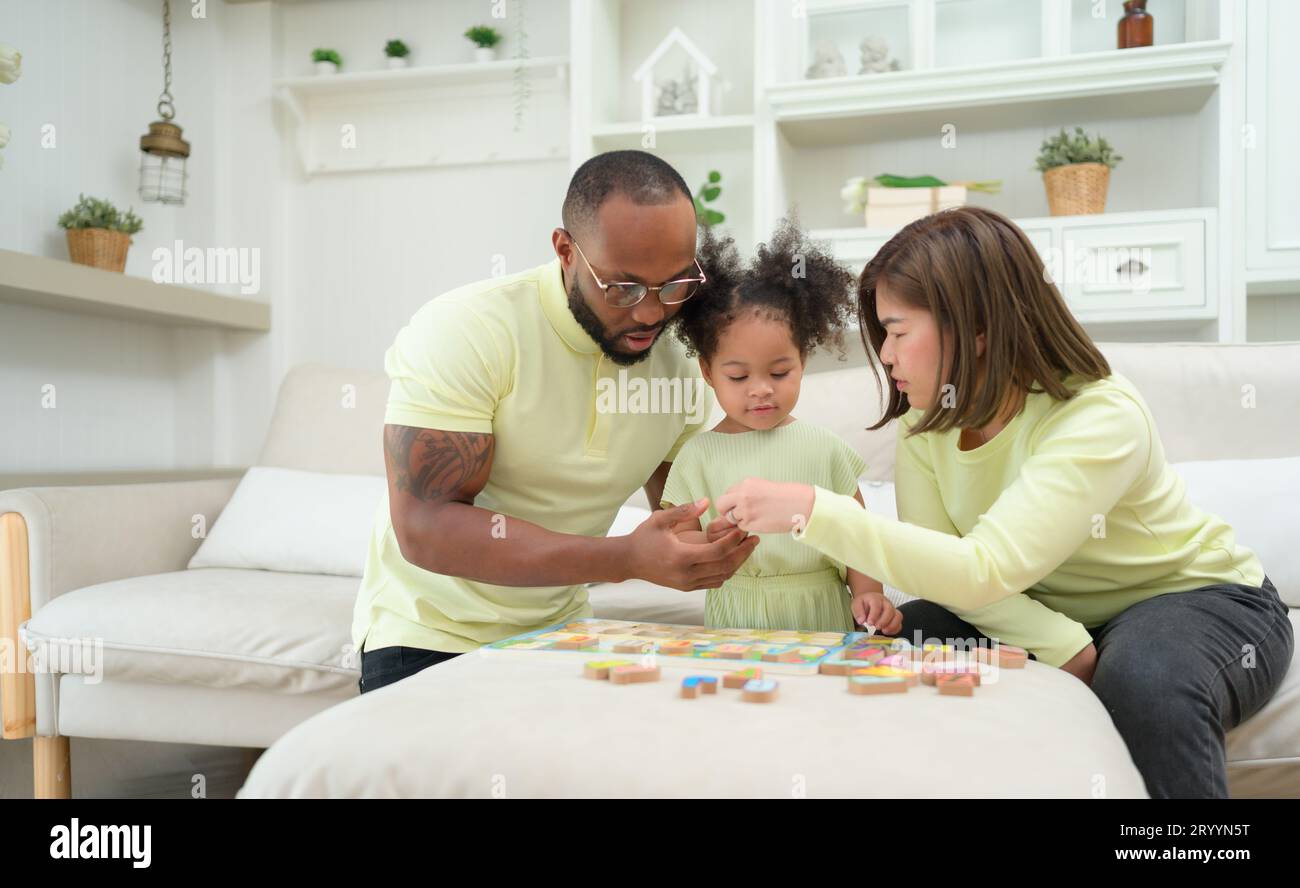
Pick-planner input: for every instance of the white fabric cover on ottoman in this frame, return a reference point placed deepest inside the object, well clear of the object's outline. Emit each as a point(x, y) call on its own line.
point(478, 727)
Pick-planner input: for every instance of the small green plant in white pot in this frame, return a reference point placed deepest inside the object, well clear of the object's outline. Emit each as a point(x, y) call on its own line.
point(328, 61)
point(485, 40)
point(398, 53)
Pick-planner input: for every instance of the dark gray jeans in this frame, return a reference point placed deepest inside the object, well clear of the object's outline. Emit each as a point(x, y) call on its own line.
point(1175, 672)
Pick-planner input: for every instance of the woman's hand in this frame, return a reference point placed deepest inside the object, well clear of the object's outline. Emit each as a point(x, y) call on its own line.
point(760, 506)
point(1083, 664)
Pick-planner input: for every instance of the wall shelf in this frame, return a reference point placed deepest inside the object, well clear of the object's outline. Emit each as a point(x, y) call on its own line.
point(1131, 72)
point(724, 132)
point(365, 84)
point(431, 116)
point(65, 286)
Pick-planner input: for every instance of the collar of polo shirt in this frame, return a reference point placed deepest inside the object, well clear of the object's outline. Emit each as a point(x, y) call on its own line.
point(555, 303)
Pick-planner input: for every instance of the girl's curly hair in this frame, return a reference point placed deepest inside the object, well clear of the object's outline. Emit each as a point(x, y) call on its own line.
point(790, 279)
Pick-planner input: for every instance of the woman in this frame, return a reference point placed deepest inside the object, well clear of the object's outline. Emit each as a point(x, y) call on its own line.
point(1035, 504)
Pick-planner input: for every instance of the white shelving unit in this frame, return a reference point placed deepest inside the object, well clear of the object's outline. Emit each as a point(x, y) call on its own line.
point(1112, 268)
point(1002, 75)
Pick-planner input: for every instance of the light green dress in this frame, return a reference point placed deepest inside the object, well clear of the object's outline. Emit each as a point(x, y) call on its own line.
point(784, 584)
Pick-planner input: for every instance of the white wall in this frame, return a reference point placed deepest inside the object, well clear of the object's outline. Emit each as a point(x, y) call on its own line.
point(129, 395)
point(366, 249)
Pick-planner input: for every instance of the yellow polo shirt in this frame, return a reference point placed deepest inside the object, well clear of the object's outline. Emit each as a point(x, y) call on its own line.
point(1064, 519)
point(575, 436)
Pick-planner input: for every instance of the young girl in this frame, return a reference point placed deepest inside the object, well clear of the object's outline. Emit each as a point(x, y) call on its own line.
point(752, 329)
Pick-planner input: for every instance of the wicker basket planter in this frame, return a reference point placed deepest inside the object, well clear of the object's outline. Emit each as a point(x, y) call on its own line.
point(1077, 188)
point(99, 247)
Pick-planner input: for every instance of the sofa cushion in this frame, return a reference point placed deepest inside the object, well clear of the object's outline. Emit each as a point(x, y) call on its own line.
point(1258, 498)
point(327, 419)
point(1264, 751)
point(217, 627)
point(295, 521)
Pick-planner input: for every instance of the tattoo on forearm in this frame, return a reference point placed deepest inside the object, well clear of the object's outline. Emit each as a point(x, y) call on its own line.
point(430, 464)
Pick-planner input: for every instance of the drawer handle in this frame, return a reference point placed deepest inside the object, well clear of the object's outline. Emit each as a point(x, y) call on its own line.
point(1134, 267)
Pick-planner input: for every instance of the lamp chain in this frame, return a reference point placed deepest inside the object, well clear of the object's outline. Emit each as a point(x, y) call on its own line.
point(166, 108)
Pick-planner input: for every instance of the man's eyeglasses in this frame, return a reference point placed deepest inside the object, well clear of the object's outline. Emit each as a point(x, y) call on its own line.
point(625, 294)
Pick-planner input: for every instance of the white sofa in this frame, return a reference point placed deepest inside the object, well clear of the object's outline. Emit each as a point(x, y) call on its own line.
point(240, 657)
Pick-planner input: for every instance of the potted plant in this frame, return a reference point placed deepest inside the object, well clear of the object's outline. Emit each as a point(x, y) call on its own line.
point(98, 234)
point(485, 39)
point(397, 53)
point(1076, 172)
point(708, 193)
point(328, 61)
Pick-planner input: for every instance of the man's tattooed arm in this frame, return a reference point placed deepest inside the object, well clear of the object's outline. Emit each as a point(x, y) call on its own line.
point(436, 466)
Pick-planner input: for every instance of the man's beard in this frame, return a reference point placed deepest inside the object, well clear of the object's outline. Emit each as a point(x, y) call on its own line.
point(589, 322)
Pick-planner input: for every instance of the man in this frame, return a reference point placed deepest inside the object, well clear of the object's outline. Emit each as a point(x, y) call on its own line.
point(506, 464)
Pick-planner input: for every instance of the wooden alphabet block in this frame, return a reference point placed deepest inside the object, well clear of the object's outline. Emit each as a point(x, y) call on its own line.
point(599, 669)
point(867, 685)
point(633, 674)
point(736, 680)
point(575, 643)
point(758, 690)
point(732, 651)
point(907, 675)
point(693, 685)
point(962, 685)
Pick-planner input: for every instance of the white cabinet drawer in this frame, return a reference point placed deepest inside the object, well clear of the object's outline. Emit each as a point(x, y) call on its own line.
point(1131, 269)
point(856, 249)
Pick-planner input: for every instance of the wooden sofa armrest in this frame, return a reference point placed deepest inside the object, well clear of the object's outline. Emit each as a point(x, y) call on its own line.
point(56, 539)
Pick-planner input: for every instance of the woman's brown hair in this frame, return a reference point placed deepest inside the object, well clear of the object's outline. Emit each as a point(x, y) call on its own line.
point(976, 272)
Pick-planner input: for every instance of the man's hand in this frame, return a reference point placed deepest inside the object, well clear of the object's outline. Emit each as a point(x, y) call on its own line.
point(1083, 664)
point(720, 527)
point(656, 553)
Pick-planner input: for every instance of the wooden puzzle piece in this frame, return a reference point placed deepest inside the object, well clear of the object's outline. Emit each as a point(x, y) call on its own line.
point(868, 655)
point(599, 669)
point(836, 666)
point(575, 643)
point(737, 679)
point(633, 647)
point(935, 653)
point(931, 672)
point(876, 684)
point(907, 675)
point(676, 648)
point(758, 690)
point(962, 685)
point(784, 657)
point(694, 685)
point(633, 674)
point(732, 651)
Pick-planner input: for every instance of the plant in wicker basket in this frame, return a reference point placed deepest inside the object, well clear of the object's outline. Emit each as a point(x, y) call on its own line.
point(1076, 172)
point(98, 233)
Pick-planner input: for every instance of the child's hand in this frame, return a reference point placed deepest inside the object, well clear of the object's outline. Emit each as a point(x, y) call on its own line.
point(874, 609)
